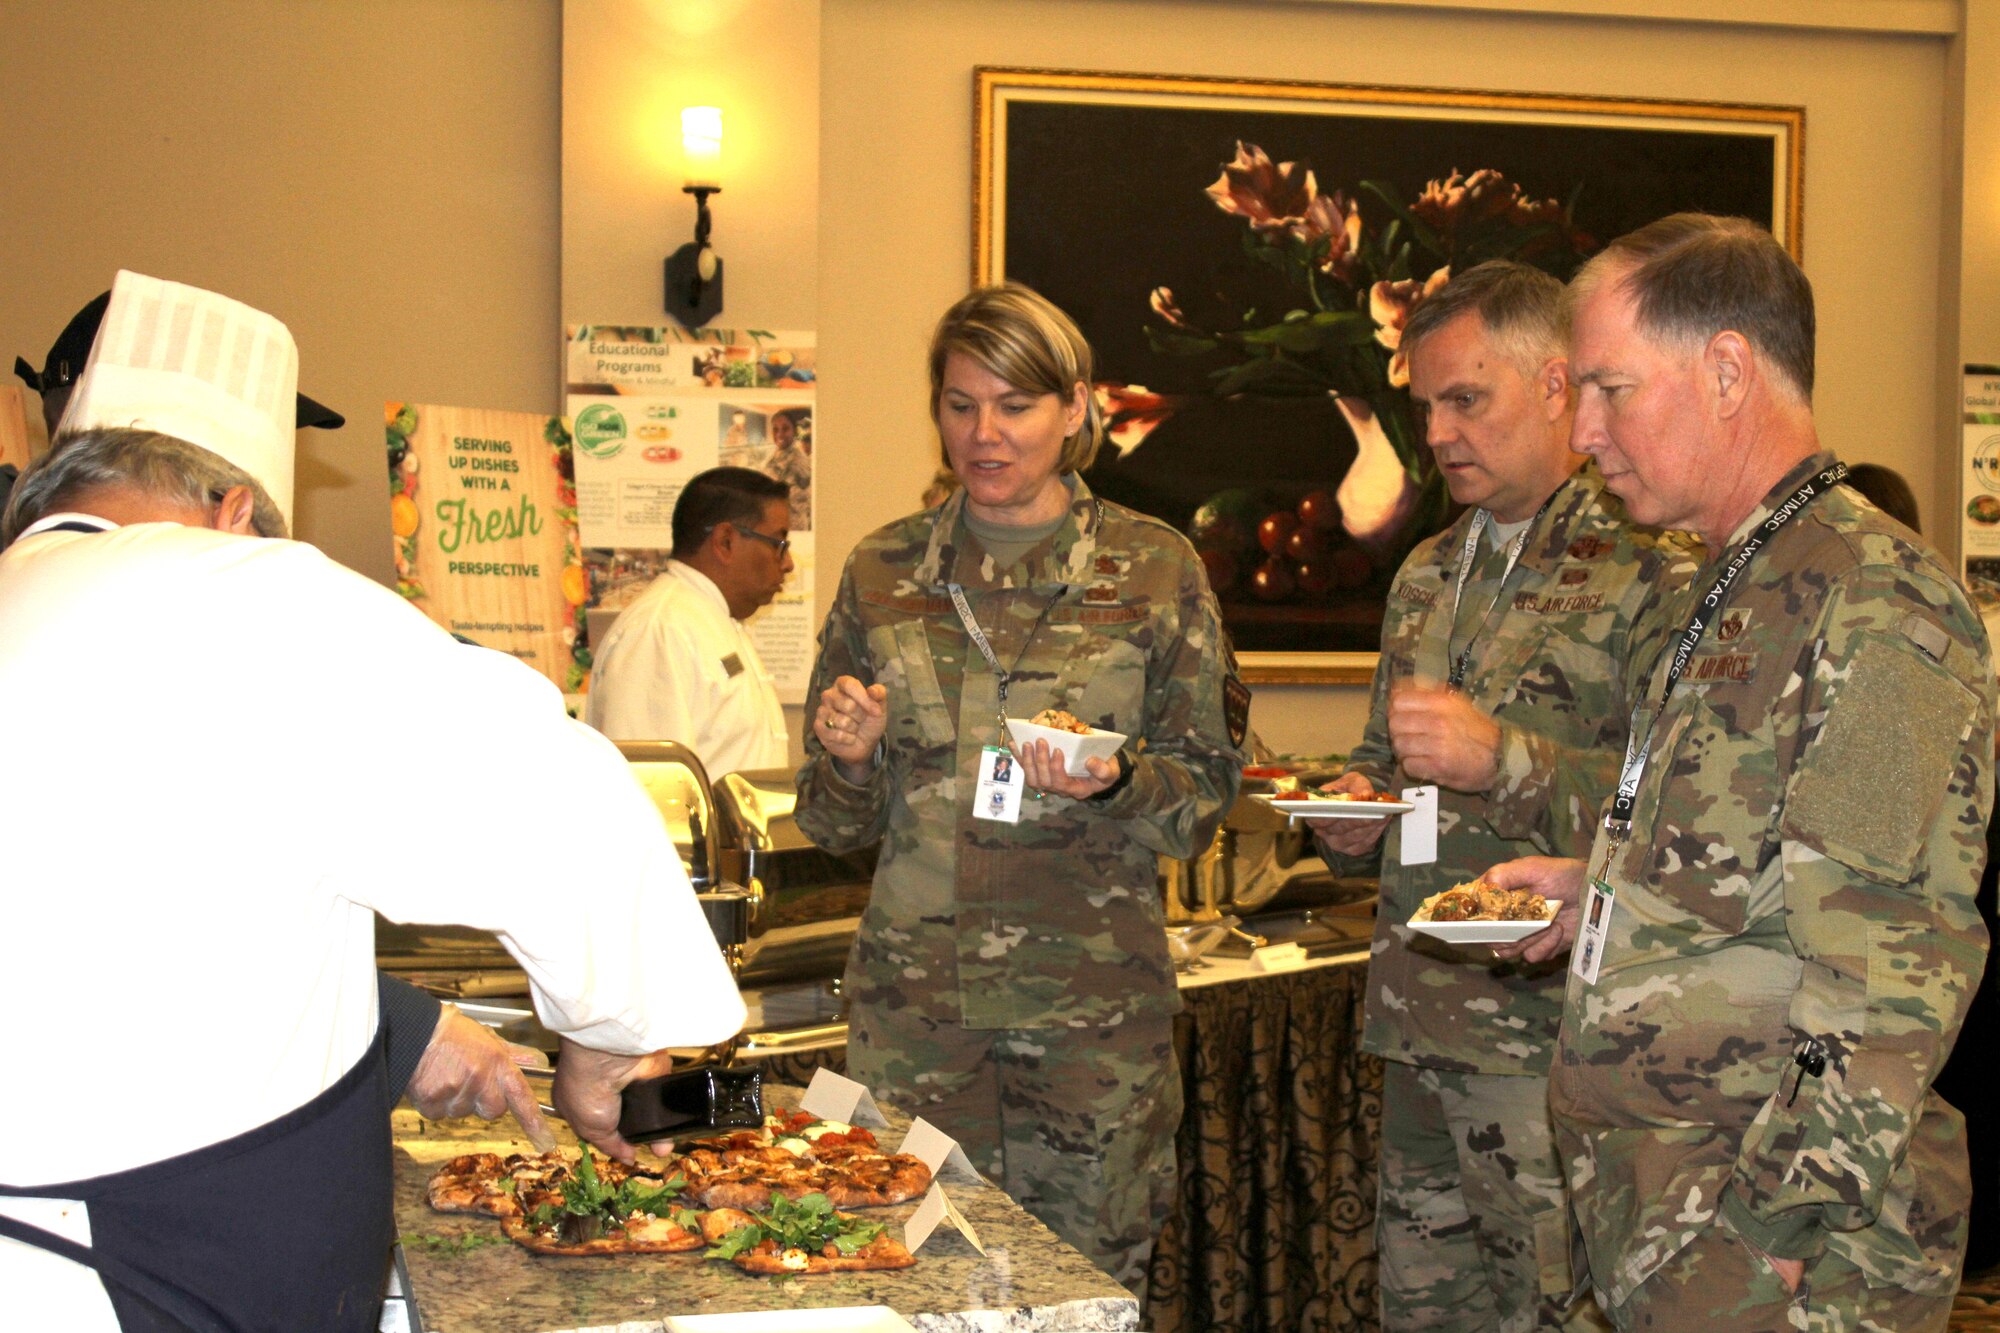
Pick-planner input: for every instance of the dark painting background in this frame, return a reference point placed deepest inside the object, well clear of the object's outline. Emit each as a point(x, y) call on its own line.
point(1104, 203)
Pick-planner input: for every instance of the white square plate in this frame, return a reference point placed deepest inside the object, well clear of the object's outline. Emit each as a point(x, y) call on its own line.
point(1075, 748)
point(1309, 807)
point(840, 1319)
point(1478, 932)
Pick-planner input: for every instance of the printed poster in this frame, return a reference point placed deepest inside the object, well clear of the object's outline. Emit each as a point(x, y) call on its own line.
point(14, 425)
point(482, 509)
point(655, 406)
point(1979, 490)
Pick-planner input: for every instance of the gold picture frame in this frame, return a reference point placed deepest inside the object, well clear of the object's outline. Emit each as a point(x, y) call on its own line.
point(1090, 187)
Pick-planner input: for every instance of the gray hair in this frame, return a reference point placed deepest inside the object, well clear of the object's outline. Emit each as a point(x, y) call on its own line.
point(1693, 275)
point(145, 461)
point(1520, 306)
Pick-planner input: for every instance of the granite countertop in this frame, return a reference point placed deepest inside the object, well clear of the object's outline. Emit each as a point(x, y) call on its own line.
point(1028, 1282)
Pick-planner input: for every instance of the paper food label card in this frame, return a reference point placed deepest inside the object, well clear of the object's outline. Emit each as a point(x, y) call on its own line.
point(1420, 827)
point(832, 1097)
point(937, 1150)
point(937, 1208)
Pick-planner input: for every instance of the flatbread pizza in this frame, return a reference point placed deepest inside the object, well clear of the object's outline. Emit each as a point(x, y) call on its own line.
point(803, 1236)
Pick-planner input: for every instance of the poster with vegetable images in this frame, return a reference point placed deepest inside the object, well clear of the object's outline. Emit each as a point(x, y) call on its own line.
point(654, 406)
point(482, 507)
point(1979, 490)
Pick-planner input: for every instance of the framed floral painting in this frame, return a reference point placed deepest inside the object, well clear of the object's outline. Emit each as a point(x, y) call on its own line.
point(1242, 255)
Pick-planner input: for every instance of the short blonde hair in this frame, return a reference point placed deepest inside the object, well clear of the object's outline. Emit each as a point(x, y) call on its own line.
point(1022, 337)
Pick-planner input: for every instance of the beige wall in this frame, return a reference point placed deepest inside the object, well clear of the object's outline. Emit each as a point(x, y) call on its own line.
point(895, 207)
point(628, 69)
point(380, 174)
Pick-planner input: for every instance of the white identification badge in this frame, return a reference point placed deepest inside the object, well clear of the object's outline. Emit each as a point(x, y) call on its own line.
point(1588, 955)
point(997, 795)
point(1420, 827)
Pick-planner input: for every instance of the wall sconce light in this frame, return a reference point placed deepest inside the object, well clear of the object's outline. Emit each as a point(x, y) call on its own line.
point(694, 272)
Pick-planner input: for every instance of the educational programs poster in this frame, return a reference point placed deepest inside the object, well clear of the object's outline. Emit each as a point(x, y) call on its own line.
point(654, 406)
point(1979, 491)
point(484, 516)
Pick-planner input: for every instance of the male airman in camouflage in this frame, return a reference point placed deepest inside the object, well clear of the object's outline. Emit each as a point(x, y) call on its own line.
point(1742, 1087)
point(1526, 603)
point(1010, 981)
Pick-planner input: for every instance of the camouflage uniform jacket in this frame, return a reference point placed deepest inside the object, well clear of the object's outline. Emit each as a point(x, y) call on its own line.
point(1806, 843)
point(1546, 667)
point(1056, 920)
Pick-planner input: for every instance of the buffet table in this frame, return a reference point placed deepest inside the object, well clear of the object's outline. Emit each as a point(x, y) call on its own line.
point(1274, 1215)
point(1028, 1281)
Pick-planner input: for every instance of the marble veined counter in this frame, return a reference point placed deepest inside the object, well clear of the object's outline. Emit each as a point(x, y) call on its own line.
point(1029, 1281)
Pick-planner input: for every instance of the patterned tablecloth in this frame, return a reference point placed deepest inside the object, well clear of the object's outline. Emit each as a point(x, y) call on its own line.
point(1273, 1227)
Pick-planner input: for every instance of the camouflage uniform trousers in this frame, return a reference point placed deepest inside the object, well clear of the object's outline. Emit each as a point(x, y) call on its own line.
point(1076, 1124)
point(1472, 1229)
point(1719, 1284)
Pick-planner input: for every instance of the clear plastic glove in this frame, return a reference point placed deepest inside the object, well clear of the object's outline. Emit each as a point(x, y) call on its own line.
point(1347, 837)
point(467, 1070)
point(586, 1092)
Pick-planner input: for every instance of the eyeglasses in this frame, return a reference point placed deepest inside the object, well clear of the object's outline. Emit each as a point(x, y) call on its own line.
point(778, 544)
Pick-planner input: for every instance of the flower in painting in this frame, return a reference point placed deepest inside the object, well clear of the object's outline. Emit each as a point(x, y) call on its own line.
point(1337, 218)
point(1283, 200)
point(1457, 200)
point(1271, 197)
point(1390, 304)
point(1132, 411)
point(1163, 305)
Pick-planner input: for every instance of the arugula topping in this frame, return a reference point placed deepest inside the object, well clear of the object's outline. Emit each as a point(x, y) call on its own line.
point(809, 1224)
point(585, 1197)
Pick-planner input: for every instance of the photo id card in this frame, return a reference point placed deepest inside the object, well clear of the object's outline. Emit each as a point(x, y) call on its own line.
point(997, 794)
point(1588, 955)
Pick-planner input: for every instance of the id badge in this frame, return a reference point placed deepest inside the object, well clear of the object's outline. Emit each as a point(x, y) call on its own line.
point(1588, 955)
point(997, 794)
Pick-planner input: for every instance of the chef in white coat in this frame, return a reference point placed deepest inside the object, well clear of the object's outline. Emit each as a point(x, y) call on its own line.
point(225, 753)
point(679, 664)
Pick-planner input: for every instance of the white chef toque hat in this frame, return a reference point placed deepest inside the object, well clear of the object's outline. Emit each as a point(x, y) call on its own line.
point(199, 367)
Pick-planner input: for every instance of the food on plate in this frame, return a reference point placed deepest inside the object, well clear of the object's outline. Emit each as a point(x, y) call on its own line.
point(795, 1155)
point(1058, 720)
point(1348, 796)
point(1983, 509)
point(1480, 901)
point(551, 1205)
point(801, 1236)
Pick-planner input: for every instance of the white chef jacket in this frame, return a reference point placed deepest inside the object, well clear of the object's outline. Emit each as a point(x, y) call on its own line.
point(222, 755)
point(678, 667)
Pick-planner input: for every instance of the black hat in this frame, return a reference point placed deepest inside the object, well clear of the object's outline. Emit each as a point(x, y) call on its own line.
point(70, 351)
point(72, 348)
